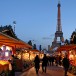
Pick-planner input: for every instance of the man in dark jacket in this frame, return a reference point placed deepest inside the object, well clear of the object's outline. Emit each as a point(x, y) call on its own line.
point(44, 63)
point(37, 64)
point(66, 64)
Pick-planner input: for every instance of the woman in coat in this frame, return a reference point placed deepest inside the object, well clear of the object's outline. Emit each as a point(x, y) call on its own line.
point(44, 63)
point(37, 64)
point(66, 64)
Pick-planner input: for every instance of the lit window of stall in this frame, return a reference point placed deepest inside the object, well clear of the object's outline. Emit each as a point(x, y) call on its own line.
point(6, 52)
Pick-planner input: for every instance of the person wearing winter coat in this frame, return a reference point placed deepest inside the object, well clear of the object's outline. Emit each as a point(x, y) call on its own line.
point(37, 63)
point(44, 63)
point(66, 64)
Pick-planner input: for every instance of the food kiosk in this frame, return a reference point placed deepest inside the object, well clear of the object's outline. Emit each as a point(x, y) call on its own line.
point(70, 50)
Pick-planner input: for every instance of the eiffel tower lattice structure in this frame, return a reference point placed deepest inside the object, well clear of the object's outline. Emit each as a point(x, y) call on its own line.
point(58, 34)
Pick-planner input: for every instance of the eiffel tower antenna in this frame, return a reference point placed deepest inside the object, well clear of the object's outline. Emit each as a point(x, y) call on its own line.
point(58, 1)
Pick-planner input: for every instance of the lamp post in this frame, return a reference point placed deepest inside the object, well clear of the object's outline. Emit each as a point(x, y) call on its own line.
point(14, 22)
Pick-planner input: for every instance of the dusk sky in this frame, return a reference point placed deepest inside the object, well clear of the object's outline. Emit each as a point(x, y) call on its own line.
point(36, 19)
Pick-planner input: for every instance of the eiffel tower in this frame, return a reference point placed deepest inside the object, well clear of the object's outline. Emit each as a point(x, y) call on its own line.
point(58, 34)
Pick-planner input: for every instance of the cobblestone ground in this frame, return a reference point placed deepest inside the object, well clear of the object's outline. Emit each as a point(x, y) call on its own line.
point(51, 71)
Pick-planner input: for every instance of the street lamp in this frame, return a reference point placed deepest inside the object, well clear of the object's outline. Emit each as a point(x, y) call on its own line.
point(14, 22)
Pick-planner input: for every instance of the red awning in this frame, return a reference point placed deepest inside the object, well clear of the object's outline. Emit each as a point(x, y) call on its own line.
point(66, 48)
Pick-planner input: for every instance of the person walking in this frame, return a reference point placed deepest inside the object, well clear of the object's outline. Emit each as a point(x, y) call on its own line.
point(57, 60)
point(37, 63)
point(60, 59)
point(66, 64)
point(44, 63)
point(12, 65)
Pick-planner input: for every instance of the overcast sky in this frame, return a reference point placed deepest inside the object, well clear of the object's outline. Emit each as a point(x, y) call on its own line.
point(36, 19)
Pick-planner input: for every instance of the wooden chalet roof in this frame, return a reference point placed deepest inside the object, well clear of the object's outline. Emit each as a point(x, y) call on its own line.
point(66, 47)
point(10, 41)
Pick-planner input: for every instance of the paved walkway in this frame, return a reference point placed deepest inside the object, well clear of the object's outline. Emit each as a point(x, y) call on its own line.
point(51, 71)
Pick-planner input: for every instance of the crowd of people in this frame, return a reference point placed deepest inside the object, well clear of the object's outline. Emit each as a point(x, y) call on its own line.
point(45, 61)
point(51, 61)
